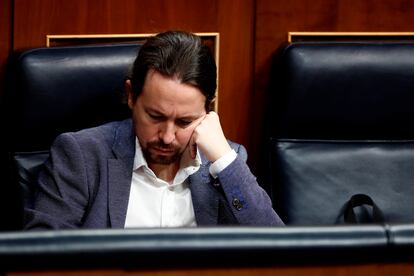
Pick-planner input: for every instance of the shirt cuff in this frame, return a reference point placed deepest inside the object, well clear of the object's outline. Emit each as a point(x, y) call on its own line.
point(222, 163)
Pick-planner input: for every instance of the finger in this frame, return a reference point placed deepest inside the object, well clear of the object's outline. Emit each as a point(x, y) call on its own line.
point(192, 145)
point(194, 151)
point(199, 120)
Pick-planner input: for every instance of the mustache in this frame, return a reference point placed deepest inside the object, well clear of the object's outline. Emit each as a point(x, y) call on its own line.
point(160, 144)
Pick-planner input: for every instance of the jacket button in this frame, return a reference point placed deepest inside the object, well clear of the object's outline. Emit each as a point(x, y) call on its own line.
point(216, 183)
point(237, 204)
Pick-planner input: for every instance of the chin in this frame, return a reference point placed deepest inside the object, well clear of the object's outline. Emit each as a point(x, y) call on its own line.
point(164, 160)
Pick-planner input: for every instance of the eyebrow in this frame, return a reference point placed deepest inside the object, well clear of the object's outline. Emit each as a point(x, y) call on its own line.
point(151, 110)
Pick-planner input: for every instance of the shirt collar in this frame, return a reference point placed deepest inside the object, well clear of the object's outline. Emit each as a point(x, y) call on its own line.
point(139, 160)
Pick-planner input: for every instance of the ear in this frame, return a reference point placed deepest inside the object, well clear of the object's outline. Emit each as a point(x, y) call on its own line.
point(128, 91)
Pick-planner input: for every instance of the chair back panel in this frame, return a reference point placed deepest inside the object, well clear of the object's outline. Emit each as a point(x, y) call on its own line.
point(319, 177)
point(57, 90)
point(341, 125)
point(346, 91)
point(66, 89)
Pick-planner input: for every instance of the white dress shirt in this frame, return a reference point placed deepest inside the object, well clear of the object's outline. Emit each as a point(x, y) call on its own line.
point(154, 202)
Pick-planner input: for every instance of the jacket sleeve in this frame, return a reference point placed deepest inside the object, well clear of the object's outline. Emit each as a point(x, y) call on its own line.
point(249, 203)
point(61, 193)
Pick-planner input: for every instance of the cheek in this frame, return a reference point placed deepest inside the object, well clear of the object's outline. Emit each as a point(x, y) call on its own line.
point(145, 131)
point(184, 135)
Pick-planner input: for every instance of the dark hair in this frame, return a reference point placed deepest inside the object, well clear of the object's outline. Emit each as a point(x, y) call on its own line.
point(176, 54)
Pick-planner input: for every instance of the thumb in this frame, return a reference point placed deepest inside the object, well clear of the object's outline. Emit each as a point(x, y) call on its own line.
point(192, 147)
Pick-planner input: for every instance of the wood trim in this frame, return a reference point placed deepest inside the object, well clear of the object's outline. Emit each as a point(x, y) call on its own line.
point(353, 269)
point(361, 35)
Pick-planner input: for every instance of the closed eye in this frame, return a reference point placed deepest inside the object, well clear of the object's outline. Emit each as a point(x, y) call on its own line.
point(156, 117)
point(183, 123)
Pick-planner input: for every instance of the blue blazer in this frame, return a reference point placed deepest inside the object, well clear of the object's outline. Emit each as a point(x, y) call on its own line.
point(86, 183)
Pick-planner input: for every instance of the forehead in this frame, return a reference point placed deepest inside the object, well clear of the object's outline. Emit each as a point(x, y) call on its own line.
point(169, 94)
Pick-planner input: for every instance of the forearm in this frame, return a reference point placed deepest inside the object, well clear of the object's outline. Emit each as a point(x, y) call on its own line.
point(249, 203)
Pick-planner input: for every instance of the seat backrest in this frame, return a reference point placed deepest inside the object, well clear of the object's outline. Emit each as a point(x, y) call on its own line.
point(342, 126)
point(66, 89)
point(62, 89)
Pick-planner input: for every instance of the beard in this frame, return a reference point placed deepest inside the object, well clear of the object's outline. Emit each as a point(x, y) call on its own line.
point(154, 158)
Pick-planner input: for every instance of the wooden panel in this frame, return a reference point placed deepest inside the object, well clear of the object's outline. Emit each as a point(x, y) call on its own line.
point(236, 25)
point(5, 39)
point(391, 269)
point(34, 19)
point(274, 19)
point(233, 19)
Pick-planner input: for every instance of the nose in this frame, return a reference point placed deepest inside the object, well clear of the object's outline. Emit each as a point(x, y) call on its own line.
point(167, 133)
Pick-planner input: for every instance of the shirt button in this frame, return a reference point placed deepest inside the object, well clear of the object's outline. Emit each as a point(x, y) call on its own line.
point(237, 204)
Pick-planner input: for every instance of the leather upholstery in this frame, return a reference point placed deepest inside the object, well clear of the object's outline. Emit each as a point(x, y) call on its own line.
point(318, 177)
point(187, 247)
point(345, 91)
point(402, 235)
point(342, 126)
point(27, 165)
point(57, 90)
point(401, 240)
point(66, 89)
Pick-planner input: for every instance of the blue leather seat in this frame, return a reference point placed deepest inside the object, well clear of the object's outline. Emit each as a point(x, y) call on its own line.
point(62, 89)
point(342, 126)
point(68, 88)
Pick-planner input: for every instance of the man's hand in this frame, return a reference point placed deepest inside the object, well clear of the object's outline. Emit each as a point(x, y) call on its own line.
point(209, 138)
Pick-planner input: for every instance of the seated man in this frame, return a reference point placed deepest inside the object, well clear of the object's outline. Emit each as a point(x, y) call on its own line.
point(168, 166)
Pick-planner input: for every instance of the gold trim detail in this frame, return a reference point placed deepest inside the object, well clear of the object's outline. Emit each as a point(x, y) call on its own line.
point(103, 37)
point(390, 35)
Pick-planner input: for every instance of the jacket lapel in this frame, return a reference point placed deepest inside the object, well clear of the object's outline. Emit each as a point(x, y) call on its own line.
point(120, 173)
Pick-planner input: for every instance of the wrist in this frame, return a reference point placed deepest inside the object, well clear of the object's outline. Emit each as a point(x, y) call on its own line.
point(220, 151)
point(223, 162)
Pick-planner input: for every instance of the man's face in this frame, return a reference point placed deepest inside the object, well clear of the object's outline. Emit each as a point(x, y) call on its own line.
point(165, 115)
